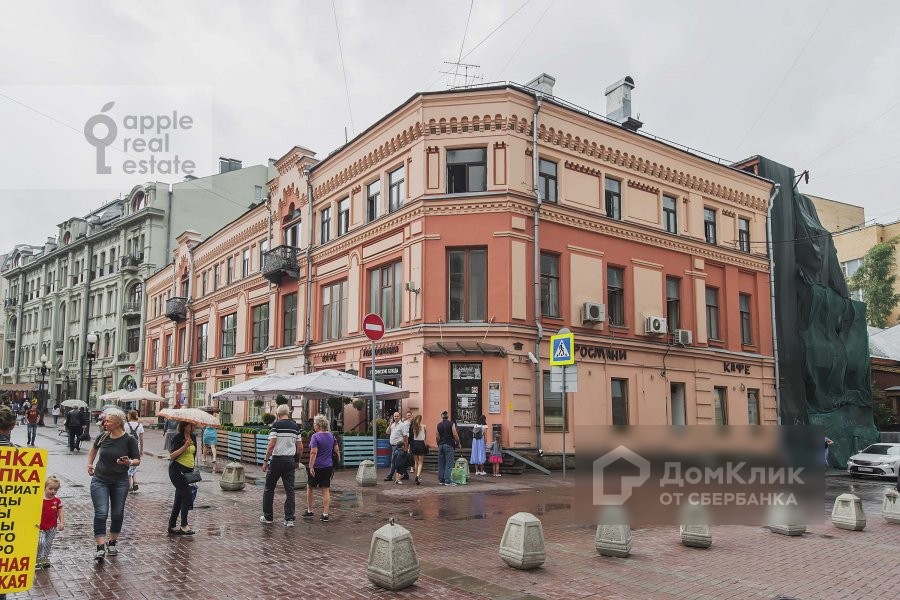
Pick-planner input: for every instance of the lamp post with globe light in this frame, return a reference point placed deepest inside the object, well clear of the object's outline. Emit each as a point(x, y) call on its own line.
point(91, 355)
point(42, 403)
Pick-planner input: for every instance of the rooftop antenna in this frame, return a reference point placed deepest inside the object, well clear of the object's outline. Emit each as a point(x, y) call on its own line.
point(467, 78)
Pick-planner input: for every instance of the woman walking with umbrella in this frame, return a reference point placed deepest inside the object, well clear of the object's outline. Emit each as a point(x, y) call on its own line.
point(183, 454)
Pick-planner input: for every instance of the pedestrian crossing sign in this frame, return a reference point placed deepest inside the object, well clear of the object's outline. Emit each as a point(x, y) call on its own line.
point(561, 349)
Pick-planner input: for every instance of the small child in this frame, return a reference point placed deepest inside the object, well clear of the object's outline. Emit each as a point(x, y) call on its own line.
point(52, 520)
point(496, 455)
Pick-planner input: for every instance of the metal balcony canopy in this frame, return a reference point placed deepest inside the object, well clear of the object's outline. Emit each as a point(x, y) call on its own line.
point(464, 347)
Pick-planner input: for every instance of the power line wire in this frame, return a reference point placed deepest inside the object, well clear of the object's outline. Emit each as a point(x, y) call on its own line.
point(343, 68)
point(818, 156)
point(783, 79)
point(463, 43)
point(525, 38)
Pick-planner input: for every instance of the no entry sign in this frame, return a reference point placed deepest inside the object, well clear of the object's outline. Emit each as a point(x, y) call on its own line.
point(373, 327)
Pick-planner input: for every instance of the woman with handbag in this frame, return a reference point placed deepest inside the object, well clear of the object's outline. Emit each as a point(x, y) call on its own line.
point(182, 475)
point(114, 452)
point(419, 449)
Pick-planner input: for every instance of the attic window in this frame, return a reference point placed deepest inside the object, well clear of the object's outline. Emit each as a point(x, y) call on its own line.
point(67, 238)
point(139, 202)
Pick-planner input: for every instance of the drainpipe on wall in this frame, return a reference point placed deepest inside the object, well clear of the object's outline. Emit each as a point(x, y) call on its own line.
point(189, 335)
point(89, 250)
point(272, 303)
point(306, 339)
point(169, 222)
point(537, 272)
point(770, 249)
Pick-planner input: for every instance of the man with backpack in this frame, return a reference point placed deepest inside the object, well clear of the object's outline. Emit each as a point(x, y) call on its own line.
point(134, 428)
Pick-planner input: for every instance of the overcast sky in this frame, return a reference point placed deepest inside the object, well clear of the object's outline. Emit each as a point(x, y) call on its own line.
point(812, 84)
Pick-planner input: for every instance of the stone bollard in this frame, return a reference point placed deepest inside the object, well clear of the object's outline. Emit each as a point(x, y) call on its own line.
point(848, 513)
point(613, 540)
point(890, 510)
point(301, 477)
point(366, 475)
point(232, 478)
point(522, 546)
point(695, 533)
point(393, 562)
point(786, 520)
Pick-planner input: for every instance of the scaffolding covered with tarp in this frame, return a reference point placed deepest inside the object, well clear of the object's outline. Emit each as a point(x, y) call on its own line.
point(823, 346)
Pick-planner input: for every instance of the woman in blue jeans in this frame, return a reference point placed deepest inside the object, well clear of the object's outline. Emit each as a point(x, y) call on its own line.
point(183, 454)
point(114, 452)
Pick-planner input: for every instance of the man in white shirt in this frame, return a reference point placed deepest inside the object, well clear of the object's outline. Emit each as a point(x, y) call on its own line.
point(399, 439)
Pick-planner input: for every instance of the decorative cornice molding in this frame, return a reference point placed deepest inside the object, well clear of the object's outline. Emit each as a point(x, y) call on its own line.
point(231, 244)
point(572, 166)
point(642, 186)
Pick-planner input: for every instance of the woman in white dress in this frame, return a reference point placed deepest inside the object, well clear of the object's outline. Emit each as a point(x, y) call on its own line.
point(478, 458)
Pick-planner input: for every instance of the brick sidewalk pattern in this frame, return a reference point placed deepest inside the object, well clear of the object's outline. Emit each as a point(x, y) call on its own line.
point(456, 532)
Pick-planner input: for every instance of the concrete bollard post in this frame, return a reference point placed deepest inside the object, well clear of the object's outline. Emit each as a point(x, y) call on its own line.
point(301, 477)
point(696, 532)
point(393, 562)
point(522, 545)
point(366, 475)
point(786, 520)
point(890, 509)
point(232, 478)
point(613, 540)
point(848, 513)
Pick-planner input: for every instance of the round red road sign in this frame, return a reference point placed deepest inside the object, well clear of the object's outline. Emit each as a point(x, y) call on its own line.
point(373, 327)
point(131, 369)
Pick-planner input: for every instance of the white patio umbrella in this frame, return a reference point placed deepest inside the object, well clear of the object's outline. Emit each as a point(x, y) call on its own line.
point(328, 383)
point(140, 394)
point(74, 402)
point(248, 388)
point(112, 396)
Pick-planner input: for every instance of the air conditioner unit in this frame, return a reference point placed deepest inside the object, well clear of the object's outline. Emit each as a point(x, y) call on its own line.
point(593, 312)
point(684, 337)
point(655, 325)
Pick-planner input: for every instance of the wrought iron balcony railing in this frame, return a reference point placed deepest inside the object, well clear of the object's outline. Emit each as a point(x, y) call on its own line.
point(282, 261)
point(176, 308)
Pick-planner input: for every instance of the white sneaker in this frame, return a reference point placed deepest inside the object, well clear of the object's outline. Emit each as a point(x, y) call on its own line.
point(288, 523)
point(263, 519)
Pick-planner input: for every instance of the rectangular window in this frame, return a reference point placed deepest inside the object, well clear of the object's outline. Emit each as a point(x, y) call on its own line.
point(229, 276)
point(202, 339)
point(673, 303)
point(260, 327)
point(334, 310)
point(670, 214)
point(547, 180)
point(264, 246)
point(396, 190)
point(203, 277)
point(216, 277)
point(228, 333)
point(385, 293)
point(553, 407)
point(753, 407)
point(343, 216)
point(133, 339)
point(712, 313)
point(720, 404)
point(709, 225)
point(154, 354)
point(615, 295)
point(170, 350)
point(744, 234)
point(613, 193)
point(746, 331)
point(678, 404)
point(325, 225)
point(466, 170)
point(619, 398)
point(850, 268)
point(198, 393)
point(289, 323)
point(373, 198)
point(182, 345)
point(467, 273)
point(292, 237)
point(245, 263)
point(549, 285)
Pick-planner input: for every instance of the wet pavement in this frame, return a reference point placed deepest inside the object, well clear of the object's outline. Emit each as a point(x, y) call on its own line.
point(457, 534)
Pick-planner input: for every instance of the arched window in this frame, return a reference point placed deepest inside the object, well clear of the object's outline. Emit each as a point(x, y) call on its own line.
point(67, 238)
point(139, 202)
point(106, 346)
point(135, 294)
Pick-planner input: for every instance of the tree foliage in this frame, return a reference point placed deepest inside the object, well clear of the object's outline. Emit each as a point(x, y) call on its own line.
point(876, 279)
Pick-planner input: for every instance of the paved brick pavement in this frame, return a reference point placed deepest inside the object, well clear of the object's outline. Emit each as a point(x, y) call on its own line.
point(456, 532)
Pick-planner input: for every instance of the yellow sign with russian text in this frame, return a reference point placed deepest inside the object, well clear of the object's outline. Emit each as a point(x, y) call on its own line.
point(22, 475)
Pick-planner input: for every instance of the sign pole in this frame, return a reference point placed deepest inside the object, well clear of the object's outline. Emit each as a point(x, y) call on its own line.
point(374, 424)
point(565, 423)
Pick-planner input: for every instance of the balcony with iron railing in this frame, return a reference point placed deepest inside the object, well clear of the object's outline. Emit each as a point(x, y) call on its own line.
point(10, 303)
point(131, 262)
point(176, 309)
point(282, 261)
point(131, 309)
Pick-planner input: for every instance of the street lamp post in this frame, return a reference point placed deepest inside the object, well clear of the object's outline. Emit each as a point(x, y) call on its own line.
point(91, 356)
point(42, 403)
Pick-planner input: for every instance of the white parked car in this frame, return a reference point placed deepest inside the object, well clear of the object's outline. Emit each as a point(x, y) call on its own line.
point(879, 460)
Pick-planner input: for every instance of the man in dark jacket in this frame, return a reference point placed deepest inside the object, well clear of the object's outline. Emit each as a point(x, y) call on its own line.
point(73, 428)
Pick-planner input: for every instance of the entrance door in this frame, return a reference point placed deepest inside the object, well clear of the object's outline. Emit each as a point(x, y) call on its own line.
point(465, 392)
